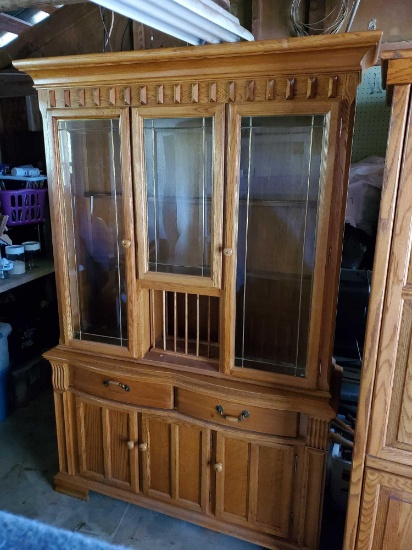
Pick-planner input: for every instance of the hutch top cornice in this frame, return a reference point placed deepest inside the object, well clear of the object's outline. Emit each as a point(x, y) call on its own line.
point(342, 53)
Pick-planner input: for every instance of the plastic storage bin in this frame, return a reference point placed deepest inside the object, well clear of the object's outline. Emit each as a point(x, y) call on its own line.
point(5, 330)
point(23, 206)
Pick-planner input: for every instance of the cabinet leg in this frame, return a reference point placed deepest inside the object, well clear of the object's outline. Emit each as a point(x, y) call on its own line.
point(63, 484)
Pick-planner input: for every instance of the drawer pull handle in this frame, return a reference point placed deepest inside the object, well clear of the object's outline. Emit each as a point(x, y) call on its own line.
point(107, 383)
point(218, 467)
point(143, 447)
point(130, 445)
point(242, 415)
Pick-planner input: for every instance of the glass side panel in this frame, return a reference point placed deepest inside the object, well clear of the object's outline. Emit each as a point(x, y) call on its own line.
point(93, 205)
point(278, 205)
point(179, 183)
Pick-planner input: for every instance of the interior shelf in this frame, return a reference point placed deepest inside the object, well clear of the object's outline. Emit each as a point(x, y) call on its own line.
point(45, 267)
point(23, 178)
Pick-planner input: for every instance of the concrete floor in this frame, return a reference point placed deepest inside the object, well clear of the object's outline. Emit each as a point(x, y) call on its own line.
point(28, 462)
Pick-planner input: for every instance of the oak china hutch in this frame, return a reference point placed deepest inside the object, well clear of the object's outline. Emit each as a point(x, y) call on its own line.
point(197, 199)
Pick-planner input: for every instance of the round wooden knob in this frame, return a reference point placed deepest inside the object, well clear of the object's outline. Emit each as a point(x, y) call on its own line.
point(143, 447)
point(126, 243)
point(227, 251)
point(130, 445)
point(218, 467)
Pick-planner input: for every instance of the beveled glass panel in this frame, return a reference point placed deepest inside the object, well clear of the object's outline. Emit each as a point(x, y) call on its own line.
point(278, 205)
point(179, 187)
point(93, 205)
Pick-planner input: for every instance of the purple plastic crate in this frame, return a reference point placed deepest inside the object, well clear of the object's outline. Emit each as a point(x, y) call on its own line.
point(23, 206)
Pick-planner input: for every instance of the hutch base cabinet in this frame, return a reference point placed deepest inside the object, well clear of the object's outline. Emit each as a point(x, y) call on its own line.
point(197, 205)
point(164, 445)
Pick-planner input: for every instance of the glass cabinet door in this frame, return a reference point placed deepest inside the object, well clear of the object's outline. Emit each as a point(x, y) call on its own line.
point(277, 228)
point(180, 190)
point(91, 173)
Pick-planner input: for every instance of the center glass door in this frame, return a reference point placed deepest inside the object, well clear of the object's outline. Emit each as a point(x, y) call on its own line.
point(178, 181)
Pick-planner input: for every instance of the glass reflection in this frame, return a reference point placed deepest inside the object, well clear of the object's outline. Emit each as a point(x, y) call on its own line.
point(91, 171)
point(278, 204)
point(179, 186)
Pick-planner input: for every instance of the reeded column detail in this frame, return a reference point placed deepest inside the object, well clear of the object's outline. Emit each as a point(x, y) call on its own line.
point(317, 434)
point(60, 376)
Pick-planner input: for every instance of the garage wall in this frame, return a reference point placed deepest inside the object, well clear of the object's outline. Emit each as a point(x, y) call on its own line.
point(271, 17)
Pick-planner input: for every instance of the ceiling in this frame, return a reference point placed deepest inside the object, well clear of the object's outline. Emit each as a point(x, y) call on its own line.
point(15, 23)
point(44, 28)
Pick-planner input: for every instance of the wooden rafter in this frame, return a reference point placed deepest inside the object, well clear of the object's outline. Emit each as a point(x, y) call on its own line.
point(8, 23)
point(47, 8)
point(9, 5)
point(63, 33)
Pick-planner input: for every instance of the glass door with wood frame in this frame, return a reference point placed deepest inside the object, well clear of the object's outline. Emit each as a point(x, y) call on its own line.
point(278, 229)
point(97, 223)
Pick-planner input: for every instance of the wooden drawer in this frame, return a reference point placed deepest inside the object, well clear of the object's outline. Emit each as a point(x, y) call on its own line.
point(259, 419)
point(146, 394)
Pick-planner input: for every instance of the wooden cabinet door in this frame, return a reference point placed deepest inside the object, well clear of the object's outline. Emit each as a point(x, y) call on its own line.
point(254, 483)
point(386, 514)
point(283, 190)
point(391, 434)
point(176, 462)
point(103, 433)
point(95, 248)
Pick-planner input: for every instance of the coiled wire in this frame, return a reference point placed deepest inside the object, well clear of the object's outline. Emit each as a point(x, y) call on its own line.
point(340, 12)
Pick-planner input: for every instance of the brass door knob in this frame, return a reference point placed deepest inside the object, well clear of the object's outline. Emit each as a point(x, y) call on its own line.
point(142, 446)
point(130, 445)
point(126, 243)
point(218, 467)
point(227, 251)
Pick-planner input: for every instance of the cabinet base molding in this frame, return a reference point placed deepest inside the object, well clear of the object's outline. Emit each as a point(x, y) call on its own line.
point(63, 483)
point(79, 487)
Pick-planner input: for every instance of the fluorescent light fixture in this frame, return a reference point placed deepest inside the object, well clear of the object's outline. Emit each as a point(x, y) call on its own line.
point(193, 21)
point(6, 38)
point(39, 16)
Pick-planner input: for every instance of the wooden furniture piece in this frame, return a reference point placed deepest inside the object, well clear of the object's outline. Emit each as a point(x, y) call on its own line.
point(380, 501)
point(197, 203)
